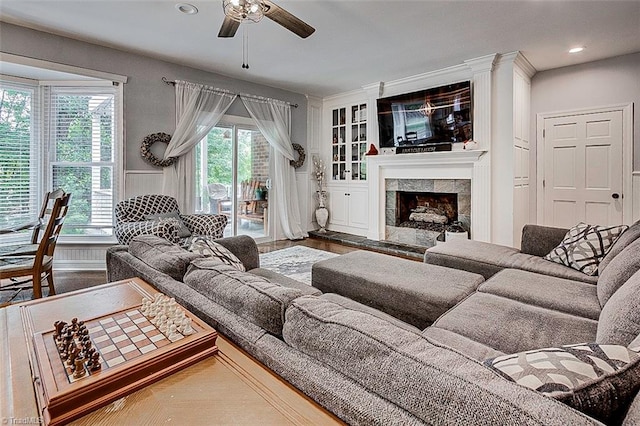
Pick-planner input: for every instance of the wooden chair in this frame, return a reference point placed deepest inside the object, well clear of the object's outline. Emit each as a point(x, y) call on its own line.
point(38, 267)
point(36, 227)
point(250, 206)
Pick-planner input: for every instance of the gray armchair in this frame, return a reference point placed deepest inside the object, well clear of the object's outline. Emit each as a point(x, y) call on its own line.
point(159, 215)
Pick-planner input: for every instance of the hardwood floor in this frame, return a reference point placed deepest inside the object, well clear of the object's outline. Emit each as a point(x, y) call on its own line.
point(308, 242)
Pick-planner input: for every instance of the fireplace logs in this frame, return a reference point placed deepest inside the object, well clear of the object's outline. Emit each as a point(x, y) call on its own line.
point(426, 210)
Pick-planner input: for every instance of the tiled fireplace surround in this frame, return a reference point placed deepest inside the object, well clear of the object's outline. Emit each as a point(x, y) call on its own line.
point(415, 235)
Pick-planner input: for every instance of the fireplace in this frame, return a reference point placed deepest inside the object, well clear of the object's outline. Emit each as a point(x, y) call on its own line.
point(426, 210)
point(417, 211)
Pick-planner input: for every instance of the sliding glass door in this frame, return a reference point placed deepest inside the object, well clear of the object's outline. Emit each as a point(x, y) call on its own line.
point(232, 178)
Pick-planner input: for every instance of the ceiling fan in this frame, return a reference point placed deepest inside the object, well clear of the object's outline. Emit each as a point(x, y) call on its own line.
point(239, 11)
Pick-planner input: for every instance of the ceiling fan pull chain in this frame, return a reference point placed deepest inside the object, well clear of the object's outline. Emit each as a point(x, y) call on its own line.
point(245, 48)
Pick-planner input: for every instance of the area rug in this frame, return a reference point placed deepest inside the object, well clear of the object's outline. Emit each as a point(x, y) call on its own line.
point(294, 262)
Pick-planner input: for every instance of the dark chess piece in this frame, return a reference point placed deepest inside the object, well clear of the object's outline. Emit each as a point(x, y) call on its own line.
point(74, 324)
point(94, 362)
point(72, 355)
point(79, 370)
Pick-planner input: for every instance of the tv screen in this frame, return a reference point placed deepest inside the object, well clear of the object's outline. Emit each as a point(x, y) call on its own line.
point(440, 114)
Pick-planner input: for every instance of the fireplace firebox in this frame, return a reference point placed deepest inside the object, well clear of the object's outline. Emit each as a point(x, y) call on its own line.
point(426, 210)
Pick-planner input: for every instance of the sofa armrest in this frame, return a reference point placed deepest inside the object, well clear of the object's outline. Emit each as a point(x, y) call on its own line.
point(126, 231)
point(539, 240)
point(245, 248)
point(211, 225)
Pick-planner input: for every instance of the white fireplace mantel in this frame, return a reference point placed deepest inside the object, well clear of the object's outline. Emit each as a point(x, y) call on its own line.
point(431, 165)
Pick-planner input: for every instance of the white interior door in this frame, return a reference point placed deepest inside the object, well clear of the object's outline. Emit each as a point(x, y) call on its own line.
point(583, 169)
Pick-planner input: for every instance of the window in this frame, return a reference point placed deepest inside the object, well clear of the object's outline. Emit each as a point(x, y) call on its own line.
point(73, 143)
point(19, 159)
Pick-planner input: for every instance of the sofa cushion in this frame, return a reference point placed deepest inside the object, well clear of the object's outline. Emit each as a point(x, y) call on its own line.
point(352, 304)
point(510, 326)
point(539, 265)
point(285, 281)
point(249, 296)
point(571, 297)
point(469, 255)
point(627, 237)
point(619, 270)
point(464, 345)
point(173, 217)
point(434, 383)
point(619, 322)
point(584, 246)
point(600, 380)
point(206, 247)
point(488, 259)
point(162, 255)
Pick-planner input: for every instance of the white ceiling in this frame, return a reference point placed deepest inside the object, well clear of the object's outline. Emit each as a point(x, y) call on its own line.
point(356, 42)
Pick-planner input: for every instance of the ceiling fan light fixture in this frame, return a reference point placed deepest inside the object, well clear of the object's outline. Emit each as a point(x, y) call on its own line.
point(244, 10)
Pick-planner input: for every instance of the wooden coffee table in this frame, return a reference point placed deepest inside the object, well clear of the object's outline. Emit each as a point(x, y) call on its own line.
point(215, 385)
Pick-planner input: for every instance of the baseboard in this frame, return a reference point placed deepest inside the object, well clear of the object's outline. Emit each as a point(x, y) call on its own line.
point(79, 265)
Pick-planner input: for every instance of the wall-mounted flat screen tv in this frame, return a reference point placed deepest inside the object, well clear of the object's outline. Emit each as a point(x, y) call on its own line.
point(440, 114)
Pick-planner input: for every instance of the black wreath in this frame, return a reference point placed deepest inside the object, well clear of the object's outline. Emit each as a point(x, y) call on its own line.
point(145, 149)
point(301, 156)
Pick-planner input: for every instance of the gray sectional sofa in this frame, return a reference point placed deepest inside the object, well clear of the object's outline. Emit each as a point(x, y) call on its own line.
point(369, 367)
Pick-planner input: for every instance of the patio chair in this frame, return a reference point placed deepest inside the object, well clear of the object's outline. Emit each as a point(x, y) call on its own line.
point(159, 215)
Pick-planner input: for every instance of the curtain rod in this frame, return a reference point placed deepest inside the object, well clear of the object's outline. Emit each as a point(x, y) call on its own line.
point(173, 83)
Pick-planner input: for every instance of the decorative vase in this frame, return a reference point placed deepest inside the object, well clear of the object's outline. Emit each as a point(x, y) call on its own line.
point(322, 214)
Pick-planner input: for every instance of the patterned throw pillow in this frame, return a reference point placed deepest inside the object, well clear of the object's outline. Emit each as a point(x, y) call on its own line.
point(599, 380)
point(174, 217)
point(209, 248)
point(584, 246)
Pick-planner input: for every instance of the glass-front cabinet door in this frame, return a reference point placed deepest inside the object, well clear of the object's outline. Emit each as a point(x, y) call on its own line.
point(349, 143)
point(339, 147)
point(358, 142)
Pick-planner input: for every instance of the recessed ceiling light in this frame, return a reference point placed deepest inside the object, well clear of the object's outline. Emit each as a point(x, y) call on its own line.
point(576, 49)
point(186, 8)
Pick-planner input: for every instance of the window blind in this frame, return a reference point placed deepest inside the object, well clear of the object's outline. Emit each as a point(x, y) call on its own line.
point(19, 155)
point(82, 140)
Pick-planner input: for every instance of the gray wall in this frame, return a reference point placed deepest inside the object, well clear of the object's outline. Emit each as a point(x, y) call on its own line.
point(600, 83)
point(149, 104)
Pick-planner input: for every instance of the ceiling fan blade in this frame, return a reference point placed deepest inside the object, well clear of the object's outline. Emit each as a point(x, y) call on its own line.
point(228, 28)
point(287, 20)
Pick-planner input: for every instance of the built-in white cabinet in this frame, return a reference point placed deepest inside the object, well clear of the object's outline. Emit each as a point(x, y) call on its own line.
point(345, 145)
point(348, 208)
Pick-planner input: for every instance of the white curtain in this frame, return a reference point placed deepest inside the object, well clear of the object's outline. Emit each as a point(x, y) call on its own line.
point(198, 109)
point(273, 119)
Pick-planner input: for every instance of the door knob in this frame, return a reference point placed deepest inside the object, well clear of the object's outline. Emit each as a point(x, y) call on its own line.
point(615, 195)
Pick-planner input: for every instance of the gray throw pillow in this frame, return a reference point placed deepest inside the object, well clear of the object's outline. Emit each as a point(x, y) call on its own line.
point(584, 246)
point(209, 248)
point(162, 255)
point(629, 236)
point(174, 216)
point(619, 321)
point(598, 380)
point(618, 271)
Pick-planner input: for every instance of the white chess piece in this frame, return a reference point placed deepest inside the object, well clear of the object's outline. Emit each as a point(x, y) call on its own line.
point(173, 334)
point(186, 328)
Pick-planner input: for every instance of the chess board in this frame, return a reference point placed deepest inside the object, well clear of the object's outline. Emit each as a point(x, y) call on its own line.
point(133, 353)
point(118, 338)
